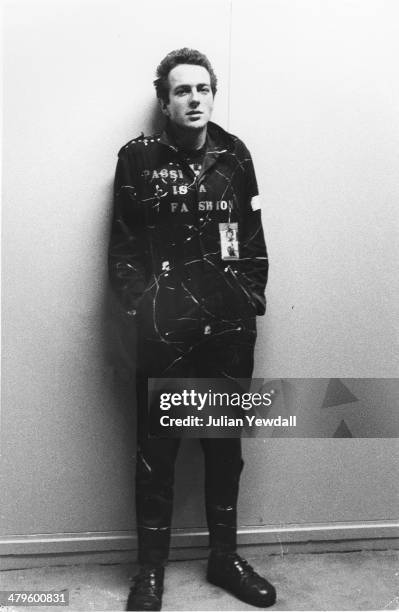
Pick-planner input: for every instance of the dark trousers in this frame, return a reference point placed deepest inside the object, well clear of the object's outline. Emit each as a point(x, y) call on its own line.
point(228, 355)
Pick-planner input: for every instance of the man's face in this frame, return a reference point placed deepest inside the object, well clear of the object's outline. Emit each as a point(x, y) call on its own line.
point(190, 102)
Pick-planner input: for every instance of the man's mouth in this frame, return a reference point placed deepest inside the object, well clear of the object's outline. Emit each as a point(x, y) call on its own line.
point(194, 113)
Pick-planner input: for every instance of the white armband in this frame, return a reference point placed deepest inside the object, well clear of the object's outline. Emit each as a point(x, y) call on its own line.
point(255, 203)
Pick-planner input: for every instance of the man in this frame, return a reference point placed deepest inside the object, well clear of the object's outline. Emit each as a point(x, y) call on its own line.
point(188, 262)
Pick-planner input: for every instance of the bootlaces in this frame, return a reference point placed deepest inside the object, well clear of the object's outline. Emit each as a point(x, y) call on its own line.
point(146, 582)
point(240, 563)
point(245, 570)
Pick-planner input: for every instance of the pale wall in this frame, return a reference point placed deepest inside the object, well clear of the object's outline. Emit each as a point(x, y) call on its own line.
point(313, 94)
point(78, 86)
point(319, 82)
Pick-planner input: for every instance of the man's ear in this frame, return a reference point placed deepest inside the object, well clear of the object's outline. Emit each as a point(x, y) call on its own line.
point(164, 107)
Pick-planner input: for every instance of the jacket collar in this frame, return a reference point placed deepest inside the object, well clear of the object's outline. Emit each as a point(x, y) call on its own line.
point(218, 140)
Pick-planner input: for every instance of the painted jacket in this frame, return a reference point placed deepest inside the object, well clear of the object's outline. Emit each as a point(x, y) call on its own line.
point(187, 249)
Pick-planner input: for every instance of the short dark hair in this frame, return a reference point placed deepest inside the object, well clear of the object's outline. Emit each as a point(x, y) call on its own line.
point(173, 59)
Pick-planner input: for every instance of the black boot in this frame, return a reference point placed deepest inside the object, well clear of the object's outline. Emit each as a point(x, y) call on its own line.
point(229, 571)
point(146, 593)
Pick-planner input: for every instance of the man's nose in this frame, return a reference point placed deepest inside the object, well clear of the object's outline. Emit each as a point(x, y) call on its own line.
point(194, 100)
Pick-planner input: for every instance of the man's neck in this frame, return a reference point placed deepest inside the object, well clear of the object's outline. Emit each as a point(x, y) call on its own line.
point(188, 140)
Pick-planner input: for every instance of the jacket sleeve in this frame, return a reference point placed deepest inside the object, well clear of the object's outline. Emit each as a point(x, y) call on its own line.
point(255, 263)
point(128, 253)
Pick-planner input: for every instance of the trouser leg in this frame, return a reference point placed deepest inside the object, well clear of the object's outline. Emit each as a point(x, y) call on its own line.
point(227, 359)
point(223, 466)
point(154, 489)
point(154, 498)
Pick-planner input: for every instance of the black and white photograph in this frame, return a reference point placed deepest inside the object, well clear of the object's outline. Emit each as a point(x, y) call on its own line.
point(200, 321)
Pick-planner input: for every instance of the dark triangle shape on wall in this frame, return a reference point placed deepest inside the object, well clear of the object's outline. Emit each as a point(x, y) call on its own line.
point(337, 394)
point(342, 431)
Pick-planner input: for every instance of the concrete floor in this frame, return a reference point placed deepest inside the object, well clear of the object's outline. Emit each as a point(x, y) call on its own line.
point(329, 581)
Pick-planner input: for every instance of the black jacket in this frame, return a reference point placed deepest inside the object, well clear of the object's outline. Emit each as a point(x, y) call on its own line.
point(165, 257)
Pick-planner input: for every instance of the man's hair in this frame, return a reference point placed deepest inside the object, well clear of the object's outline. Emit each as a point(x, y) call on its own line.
point(173, 59)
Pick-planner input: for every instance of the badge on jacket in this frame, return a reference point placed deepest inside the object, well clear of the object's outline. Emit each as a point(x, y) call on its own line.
point(229, 243)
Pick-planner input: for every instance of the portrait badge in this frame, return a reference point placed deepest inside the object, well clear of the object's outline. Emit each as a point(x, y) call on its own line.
point(229, 243)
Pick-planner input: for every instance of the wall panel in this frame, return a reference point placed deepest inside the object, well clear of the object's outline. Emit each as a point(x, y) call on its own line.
point(313, 96)
point(78, 86)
